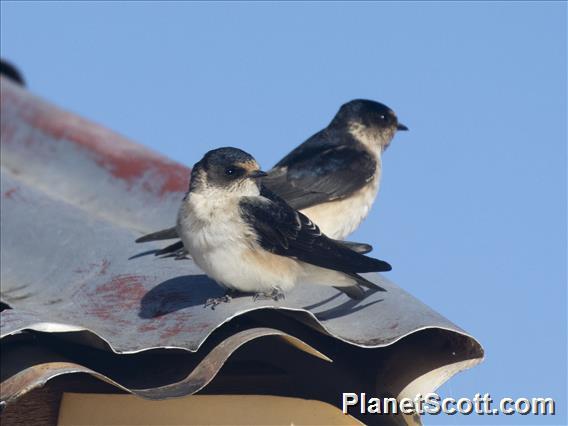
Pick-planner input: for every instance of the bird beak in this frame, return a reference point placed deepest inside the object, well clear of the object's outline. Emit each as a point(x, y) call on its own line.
point(257, 174)
point(401, 126)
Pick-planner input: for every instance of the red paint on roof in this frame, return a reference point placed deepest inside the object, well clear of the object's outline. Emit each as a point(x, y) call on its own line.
point(10, 193)
point(121, 157)
point(111, 299)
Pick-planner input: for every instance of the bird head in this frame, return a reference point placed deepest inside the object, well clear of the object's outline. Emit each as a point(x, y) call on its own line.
point(228, 169)
point(370, 122)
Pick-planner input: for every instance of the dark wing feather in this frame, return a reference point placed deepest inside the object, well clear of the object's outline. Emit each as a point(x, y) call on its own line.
point(321, 172)
point(284, 231)
point(362, 248)
point(172, 249)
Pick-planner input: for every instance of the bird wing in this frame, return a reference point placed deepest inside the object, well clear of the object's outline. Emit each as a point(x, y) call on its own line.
point(287, 232)
point(319, 172)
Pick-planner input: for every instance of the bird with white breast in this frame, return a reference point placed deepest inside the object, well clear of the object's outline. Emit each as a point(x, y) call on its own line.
point(248, 239)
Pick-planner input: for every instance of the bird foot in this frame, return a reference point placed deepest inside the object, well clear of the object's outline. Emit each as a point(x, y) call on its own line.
point(214, 301)
point(275, 295)
point(182, 256)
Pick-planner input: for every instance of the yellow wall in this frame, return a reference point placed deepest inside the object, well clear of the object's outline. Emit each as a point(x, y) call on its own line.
point(98, 409)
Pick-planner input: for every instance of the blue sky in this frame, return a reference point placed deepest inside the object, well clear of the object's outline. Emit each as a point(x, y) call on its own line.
point(472, 209)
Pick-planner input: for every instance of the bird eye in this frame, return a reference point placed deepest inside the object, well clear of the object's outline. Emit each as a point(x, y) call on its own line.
point(383, 117)
point(230, 171)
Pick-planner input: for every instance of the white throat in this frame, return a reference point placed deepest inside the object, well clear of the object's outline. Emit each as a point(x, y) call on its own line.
point(375, 140)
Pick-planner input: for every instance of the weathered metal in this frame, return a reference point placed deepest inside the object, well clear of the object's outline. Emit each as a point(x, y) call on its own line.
point(38, 365)
point(74, 198)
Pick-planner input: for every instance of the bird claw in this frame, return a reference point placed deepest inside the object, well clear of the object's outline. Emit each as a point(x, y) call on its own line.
point(176, 255)
point(275, 295)
point(182, 256)
point(214, 301)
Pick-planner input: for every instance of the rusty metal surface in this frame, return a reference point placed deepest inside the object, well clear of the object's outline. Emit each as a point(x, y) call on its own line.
point(74, 196)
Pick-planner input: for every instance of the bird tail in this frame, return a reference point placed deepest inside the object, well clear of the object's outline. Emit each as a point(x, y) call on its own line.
point(354, 292)
point(172, 249)
point(164, 234)
point(353, 262)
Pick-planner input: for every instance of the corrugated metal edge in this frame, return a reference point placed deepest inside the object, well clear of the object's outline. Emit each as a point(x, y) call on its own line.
point(56, 327)
point(38, 375)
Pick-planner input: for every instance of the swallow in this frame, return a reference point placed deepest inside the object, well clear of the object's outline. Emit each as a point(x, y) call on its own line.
point(11, 72)
point(333, 177)
point(248, 239)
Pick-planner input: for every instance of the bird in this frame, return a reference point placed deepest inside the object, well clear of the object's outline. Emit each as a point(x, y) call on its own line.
point(11, 72)
point(248, 239)
point(334, 176)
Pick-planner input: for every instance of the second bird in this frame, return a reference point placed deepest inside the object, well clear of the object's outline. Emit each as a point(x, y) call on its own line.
point(334, 176)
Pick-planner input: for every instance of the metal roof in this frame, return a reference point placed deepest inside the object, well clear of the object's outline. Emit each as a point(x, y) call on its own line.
point(75, 196)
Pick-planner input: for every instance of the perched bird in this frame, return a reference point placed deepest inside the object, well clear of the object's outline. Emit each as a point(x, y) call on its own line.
point(248, 239)
point(11, 72)
point(334, 176)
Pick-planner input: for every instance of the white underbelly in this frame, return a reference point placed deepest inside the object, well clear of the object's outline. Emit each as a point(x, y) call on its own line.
point(227, 252)
point(337, 219)
point(248, 270)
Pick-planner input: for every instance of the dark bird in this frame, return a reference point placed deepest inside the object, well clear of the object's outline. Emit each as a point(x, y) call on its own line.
point(11, 72)
point(334, 176)
point(248, 239)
